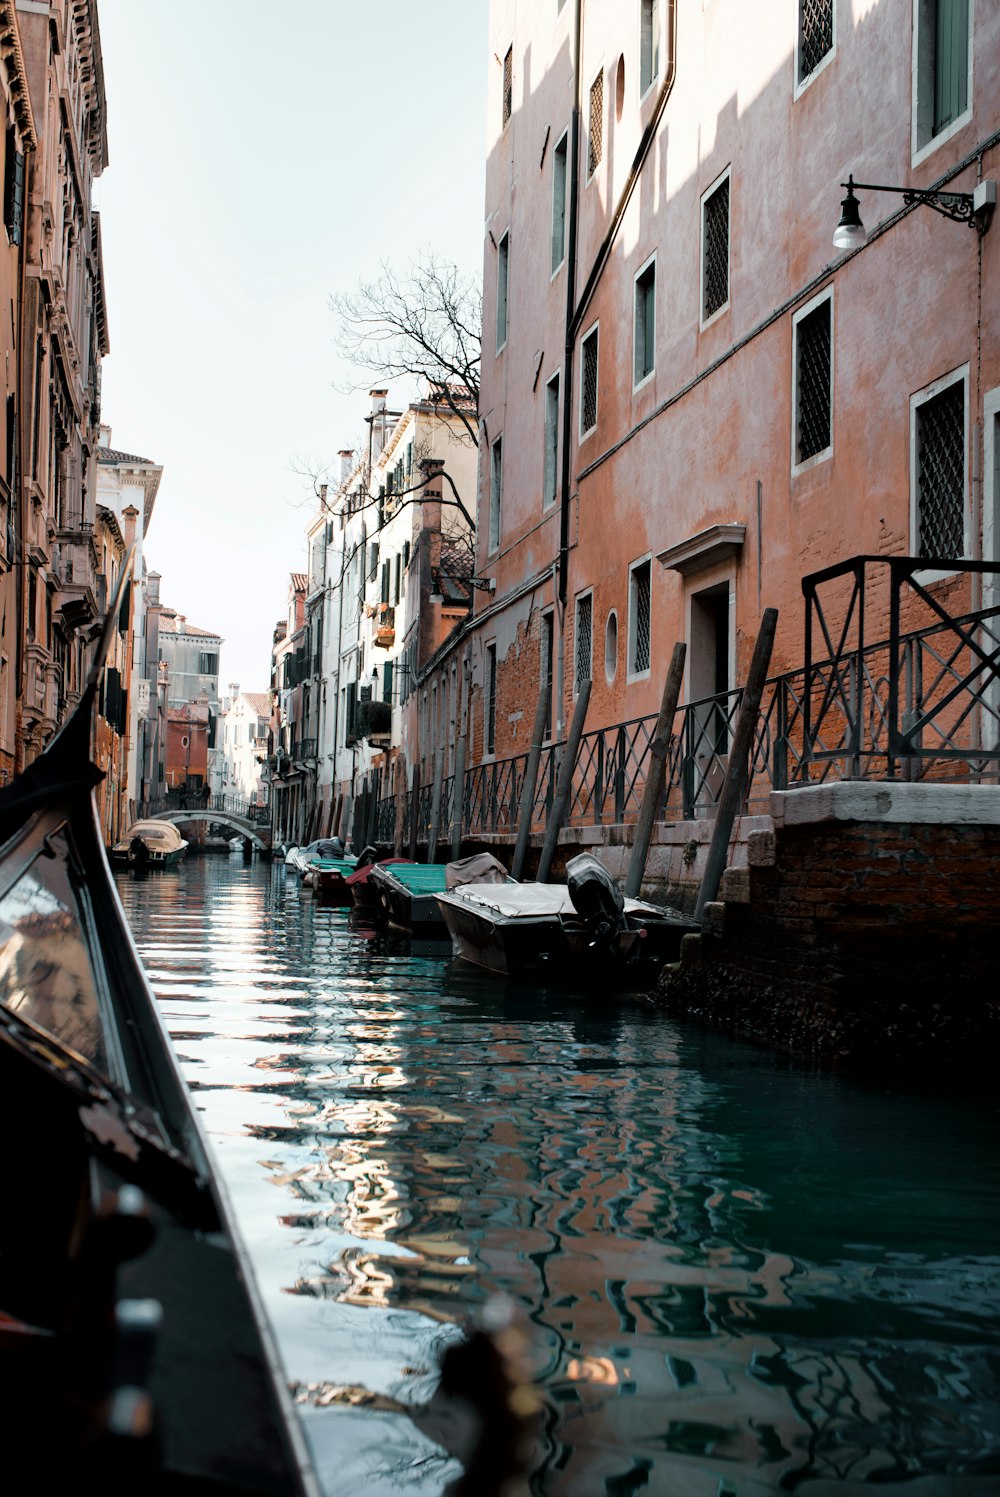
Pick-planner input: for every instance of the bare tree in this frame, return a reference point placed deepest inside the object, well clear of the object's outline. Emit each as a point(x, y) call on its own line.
point(425, 324)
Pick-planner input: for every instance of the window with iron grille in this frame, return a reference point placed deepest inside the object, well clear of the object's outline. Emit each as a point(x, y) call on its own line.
point(815, 34)
point(645, 323)
point(508, 84)
point(491, 698)
point(939, 457)
point(640, 580)
point(559, 203)
point(588, 383)
point(584, 641)
point(496, 491)
point(715, 249)
point(813, 366)
point(548, 643)
point(649, 44)
point(550, 476)
point(941, 39)
point(503, 269)
point(595, 134)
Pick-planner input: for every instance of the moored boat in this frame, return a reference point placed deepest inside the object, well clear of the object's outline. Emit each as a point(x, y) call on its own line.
point(552, 933)
point(134, 1351)
point(150, 844)
point(404, 896)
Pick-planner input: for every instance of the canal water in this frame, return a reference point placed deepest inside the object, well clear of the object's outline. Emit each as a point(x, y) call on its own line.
point(738, 1276)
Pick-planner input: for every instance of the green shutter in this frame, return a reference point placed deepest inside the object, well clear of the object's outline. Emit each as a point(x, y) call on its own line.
point(951, 61)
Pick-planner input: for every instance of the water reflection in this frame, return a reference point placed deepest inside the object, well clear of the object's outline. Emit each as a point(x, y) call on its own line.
point(738, 1276)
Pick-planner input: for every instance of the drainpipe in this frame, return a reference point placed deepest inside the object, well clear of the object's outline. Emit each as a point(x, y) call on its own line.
point(568, 350)
point(576, 314)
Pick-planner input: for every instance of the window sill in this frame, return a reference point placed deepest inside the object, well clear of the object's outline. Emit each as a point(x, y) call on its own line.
point(922, 153)
point(646, 379)
point(798, 469)
point(719, 312)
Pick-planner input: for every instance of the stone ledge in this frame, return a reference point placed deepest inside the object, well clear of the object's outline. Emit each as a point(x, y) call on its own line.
point(886, 801)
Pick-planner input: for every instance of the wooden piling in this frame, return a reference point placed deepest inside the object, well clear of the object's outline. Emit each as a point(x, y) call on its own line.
point(458, 800)
point(738, 769)
point(530, 783)
point(564, 784)
point(399, 794)
point(432, 837)
point(414, 813)
point(656, 774)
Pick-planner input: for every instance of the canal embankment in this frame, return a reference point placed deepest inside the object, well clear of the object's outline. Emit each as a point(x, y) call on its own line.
point(862, 930)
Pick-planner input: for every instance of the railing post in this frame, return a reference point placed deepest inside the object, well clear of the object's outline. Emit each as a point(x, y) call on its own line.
point(599, 781)
point(738, 768)
point(530, 782)
point(656, 772)
point(564, 787)
point(619, 776)
point(779, 761)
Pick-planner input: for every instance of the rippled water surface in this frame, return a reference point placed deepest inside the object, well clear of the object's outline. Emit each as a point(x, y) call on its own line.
point(739, 1276)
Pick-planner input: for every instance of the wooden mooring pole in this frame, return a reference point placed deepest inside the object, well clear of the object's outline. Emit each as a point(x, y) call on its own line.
point(738, 769)
point(656, 774)
point(432, 836)
point(564, 784)
point(530, 782)
point(414, 812)
point(458, 800)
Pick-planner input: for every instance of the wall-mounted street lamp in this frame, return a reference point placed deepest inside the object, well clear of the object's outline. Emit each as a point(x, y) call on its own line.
point(975, 208)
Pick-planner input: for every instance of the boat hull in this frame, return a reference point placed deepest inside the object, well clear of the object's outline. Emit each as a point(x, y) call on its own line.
point(557, 947)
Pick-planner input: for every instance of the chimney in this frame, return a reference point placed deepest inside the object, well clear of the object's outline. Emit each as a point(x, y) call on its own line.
point(379, 421)
point(129, 516)
point(104, 437)
point(346, 463)
point(153, 589)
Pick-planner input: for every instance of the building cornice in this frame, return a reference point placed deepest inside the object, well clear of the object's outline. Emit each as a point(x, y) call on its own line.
point(16, 73)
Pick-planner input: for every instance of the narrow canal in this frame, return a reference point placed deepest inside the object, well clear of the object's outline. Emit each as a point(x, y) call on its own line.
point(739, 1276)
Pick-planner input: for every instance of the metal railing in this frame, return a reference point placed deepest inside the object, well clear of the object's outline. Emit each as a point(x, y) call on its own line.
point(901, 680)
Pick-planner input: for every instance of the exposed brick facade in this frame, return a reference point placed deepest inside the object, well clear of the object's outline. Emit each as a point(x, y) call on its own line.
point(855, 942)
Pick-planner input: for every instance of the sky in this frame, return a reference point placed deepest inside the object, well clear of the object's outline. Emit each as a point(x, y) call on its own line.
point(263, 157)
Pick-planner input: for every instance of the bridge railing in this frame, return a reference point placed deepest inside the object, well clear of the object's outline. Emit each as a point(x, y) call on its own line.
point(198, 801)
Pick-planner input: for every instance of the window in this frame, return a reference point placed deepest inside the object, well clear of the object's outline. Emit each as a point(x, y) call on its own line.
point(550, 477)
point(548, 652)
point(386, 583)
point(491, 698)
point(640, 578)
point(649, 44)
point(715, 249)
point(208, 663)
point(584, 634)
point(508, 84)
point(815, 36)
point(645, 323)
point(812, 382)
point(496, 491)
point(372, 561)
point(595, 133)
point(611, 647)
point(13, 188)
point(502, 274)
point(588, 382)
point(559, 204)
point(938, 468)
point(397, 574)
point(942, 64)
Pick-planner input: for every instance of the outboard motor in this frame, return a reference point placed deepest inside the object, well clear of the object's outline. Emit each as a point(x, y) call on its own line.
point(596, 897)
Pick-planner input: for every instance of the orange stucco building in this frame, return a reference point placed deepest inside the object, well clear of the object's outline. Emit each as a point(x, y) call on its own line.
point(690, 399)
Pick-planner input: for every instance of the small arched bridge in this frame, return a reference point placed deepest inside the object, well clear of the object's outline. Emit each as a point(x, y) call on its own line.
point(246, 818)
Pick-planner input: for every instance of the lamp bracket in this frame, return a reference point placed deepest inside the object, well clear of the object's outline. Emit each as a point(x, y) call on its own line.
point(973, 208)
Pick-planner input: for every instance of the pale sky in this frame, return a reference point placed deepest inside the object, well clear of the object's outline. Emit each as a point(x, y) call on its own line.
point(261, 158)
